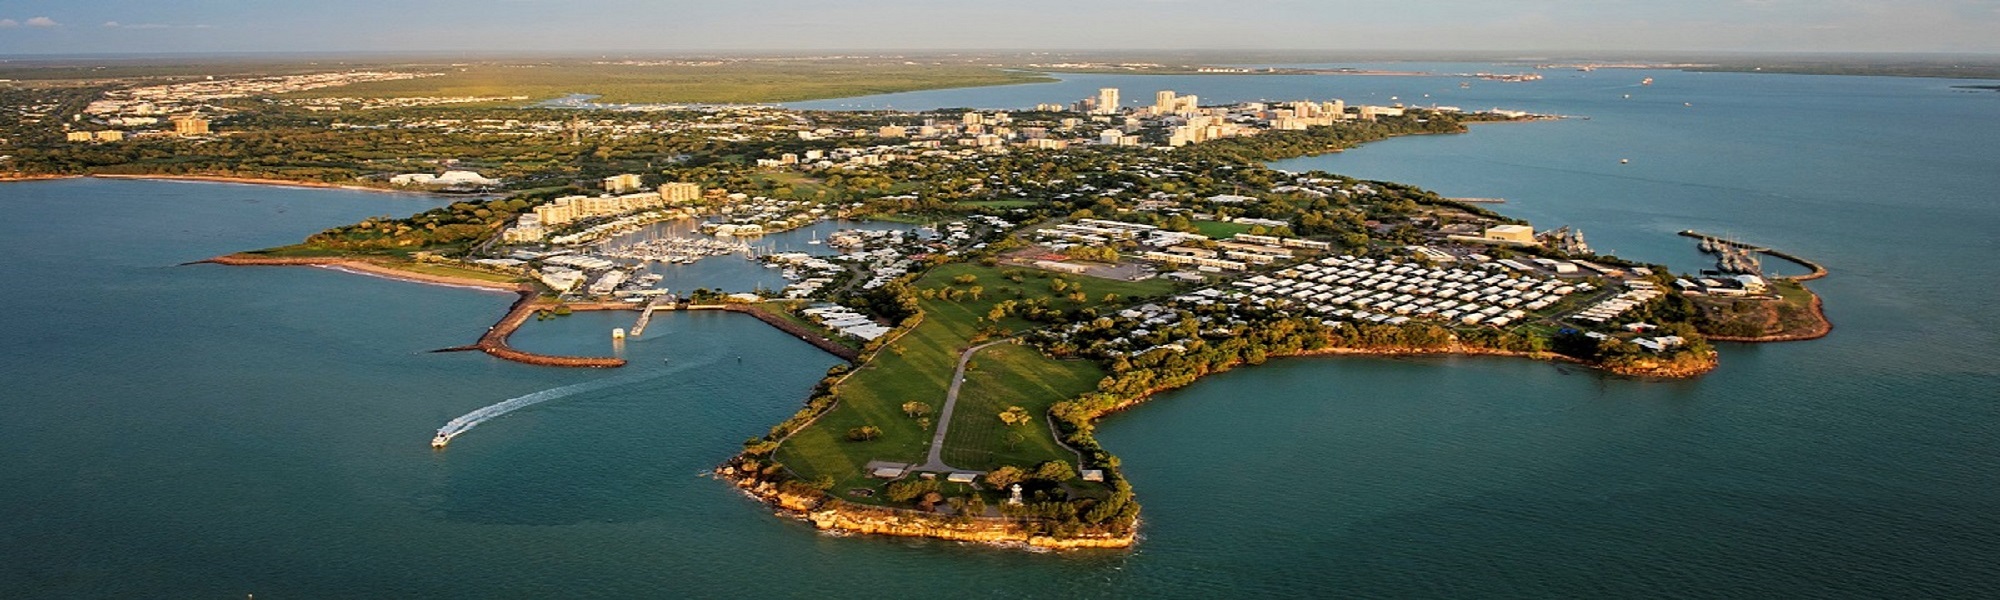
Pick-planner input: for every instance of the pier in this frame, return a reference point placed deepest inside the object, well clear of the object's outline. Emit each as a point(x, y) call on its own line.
point(646, 315)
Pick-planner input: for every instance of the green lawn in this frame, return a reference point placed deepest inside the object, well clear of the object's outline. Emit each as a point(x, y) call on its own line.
point(1220, 230)
point(1011, 375)
point(919, 366)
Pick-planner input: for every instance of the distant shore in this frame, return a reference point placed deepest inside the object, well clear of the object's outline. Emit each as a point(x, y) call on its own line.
point(361, 266)
point(260, 181)
point(263, 181)
point(13, 177)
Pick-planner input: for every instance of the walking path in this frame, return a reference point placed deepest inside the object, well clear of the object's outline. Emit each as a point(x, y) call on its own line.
point(936, 460)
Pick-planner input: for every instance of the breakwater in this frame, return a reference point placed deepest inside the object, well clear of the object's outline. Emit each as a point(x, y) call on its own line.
point(780, 323)
point(494, 342)
point(1818, 270)
point(803, 334)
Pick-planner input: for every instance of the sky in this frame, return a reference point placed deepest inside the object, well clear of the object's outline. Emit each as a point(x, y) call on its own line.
point(29, 27)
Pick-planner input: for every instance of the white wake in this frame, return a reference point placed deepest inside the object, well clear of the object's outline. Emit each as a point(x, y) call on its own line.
point(472, 419)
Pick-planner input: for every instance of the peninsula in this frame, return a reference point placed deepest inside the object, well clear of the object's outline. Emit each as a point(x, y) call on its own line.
point(1001, 279)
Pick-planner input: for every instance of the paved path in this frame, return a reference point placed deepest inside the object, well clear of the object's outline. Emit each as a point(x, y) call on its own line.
point(936, 460)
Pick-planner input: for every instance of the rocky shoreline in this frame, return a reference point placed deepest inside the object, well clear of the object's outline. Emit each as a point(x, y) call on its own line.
point(833, 515)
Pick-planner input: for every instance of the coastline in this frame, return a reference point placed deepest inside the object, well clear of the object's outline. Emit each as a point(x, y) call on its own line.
point(17, 177)
point(362, 267)
point(1819, 330)
point(834, 515)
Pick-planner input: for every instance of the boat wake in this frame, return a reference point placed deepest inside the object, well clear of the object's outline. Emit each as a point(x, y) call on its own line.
point(472, 419)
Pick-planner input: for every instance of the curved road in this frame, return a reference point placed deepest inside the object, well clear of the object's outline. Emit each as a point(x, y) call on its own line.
point(936, 460)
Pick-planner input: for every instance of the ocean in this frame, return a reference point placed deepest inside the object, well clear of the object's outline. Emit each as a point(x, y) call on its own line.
point(207, 431)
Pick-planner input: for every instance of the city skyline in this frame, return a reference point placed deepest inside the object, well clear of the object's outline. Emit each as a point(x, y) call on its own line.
point(36, 27)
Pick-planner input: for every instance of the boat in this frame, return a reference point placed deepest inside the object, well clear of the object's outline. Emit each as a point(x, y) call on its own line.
point(1646, 81)
point(440, 440)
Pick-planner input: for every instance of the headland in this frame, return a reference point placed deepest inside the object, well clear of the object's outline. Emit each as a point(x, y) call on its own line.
point(1128, 250)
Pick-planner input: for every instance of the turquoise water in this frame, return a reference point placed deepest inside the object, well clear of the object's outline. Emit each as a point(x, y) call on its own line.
point(205, 431)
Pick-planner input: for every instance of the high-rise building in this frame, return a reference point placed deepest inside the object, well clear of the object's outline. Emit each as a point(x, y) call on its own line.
point(617, 184)
point(1107, 101)
point(681, 191)
point(190, 125)
point(1163, 102)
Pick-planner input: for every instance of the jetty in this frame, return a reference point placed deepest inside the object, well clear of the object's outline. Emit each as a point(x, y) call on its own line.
point(646, 315)
point(1716, 244)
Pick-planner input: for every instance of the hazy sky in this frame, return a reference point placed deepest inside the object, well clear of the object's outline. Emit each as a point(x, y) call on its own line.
point(83, 26)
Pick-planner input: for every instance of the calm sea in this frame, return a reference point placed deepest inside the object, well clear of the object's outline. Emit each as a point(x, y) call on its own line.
point(202, 431)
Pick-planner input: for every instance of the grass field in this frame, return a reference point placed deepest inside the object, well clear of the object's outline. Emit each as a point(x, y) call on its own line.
point(1010, 375)
point(918, 367)
point(722, 82)
point(1220, 230)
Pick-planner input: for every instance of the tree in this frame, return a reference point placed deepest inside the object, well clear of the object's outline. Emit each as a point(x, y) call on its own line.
point(967, 279)
point(910, 489)
point(1005, 476)
point(1015, 416)
point(916, 409)
point(864, 433)
point(1055, 470)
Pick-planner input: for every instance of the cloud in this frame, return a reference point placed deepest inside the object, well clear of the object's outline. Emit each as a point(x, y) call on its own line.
point(9, 23)
point(41, 22)
point(118, 25)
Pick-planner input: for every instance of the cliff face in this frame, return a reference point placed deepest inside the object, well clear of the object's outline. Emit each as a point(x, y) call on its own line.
point(828, 514)
point(840, 517)
point(1680, 367)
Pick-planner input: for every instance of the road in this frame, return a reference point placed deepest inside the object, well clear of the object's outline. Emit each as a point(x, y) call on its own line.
point(936, 460)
